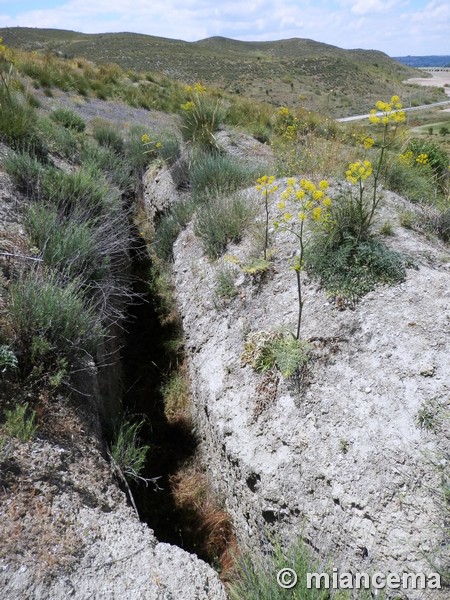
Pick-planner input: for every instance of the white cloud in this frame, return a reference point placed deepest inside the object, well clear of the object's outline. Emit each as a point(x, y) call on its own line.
point(364, 7)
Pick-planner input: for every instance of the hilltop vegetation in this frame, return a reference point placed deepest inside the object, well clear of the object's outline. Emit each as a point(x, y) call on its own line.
point(294, 72)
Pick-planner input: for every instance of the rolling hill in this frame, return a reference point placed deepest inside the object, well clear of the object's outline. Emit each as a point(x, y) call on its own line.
point(294, 72)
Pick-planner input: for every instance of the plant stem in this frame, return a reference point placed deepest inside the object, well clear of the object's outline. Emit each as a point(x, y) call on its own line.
point(300, 302)
point(266, 238)
point(298, 270)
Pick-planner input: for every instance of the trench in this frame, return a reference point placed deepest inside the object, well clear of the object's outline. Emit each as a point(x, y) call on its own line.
point(145, 361)
point(150, 352)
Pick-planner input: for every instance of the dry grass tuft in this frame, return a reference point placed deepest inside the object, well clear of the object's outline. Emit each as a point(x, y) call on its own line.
point(210, 525)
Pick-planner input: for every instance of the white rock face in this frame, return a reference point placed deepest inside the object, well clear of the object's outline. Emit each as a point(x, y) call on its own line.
point(342, 461)
point(75, 537)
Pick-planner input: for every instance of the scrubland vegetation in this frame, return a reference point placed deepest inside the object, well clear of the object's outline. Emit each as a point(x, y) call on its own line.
point(70, 285)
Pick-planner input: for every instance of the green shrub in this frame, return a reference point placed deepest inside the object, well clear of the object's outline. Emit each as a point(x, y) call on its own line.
point(60, 141)
point(264, 350)
point(68, 119)
point(222, 220)
point(135, 152)
point(109, 137)
point(426, 219)
point(93, 248)
point(127, 450)
point(200, 119)
point(387, 229)
point(352, 269)
point(410, 182)
point(216, 174)
point(82, 188)
point(169, 226)
point(18, 124)
point(170, 150)
point(246, 113)
point(115, 168)
point(225, 283)
point(26, 172)
point(45, 307)
point(289, 355)
point(437, 158)
point(256, 579)
point(20, 423)
point(66, 244)
point(167, 231)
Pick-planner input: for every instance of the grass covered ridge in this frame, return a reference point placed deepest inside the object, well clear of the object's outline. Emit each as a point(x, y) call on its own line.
point(286, 72)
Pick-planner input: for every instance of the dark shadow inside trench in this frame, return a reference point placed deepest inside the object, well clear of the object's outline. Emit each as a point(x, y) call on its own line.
point(147, 357)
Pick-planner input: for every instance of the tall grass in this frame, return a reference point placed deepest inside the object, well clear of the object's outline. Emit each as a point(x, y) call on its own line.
point(61, 141)
point(66, 244)
point(108, 137)
point(18, 124)
point(257, 579)
point(114, 167)
point(83, 187)
point(46, 308)
point(200, 119)
point(127, 450)
point(26, 172)
point(219, 174)
point(68, 119)
point(221, 220)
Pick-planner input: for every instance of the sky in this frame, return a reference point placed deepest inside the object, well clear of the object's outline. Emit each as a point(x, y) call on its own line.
point(397, 27)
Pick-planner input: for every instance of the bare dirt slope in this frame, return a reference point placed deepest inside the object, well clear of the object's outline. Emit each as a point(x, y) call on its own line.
point(341, 459)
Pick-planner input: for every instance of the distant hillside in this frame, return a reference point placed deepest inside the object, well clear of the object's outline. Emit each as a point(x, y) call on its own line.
point(294, 72)
point(424, 61)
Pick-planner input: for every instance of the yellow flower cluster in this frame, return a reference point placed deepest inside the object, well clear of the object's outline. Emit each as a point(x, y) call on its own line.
point(312, 199)
point(291, 131)
point(188, 106)
point(283, 112)
point(359, 171)
point(406, 158)
point(422, 159)
point(147, 141)
point(391, 112)
point(368, 142)
point(265, 184)
point(286, 124)
point(197, 88)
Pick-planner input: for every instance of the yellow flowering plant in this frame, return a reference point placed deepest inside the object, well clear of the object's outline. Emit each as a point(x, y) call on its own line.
point(201, 117)
point(387, 116)
point(266, 186)
point(6, 70)
point(152, 146)
point(307, 202)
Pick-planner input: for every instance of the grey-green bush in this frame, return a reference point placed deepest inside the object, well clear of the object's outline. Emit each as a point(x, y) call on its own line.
point(222, 220)
point(68, 119)
point(47, 307)
point(215, 174)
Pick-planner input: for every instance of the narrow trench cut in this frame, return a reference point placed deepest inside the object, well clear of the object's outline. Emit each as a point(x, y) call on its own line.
point(180, 509)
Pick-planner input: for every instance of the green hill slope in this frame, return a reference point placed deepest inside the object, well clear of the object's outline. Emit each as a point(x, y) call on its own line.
point(293, 72)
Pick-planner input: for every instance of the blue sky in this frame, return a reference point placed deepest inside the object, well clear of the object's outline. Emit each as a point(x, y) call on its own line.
point(397, 27)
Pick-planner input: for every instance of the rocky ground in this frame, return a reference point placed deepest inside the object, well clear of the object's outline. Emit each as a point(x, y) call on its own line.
point(68, 532)
point(343, 457)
